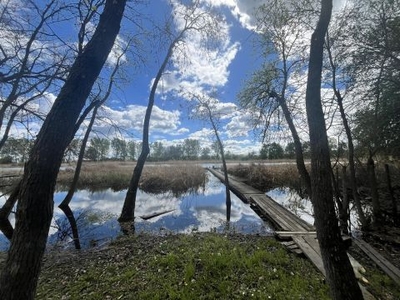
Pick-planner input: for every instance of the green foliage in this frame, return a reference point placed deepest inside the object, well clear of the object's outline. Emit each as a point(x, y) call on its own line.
point(377, 125)
point(119, 147)
point(72, 151)
point(191, 149)
point(290, 151)
point(157, 151)
point(197, 266)
point(98, 149)
point(17, 149)
point(271, 151)
point(378, 128)
point(6, 160)
point(131, 150)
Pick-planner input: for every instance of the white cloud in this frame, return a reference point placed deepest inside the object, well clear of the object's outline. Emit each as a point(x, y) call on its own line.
point(117, 51)
point(195, 65)
point(132, 117)
point(242, 146)
point(242, 10)
point(203, 135)
point(239, 126)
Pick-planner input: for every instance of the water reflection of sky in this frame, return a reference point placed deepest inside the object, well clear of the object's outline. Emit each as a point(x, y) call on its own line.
point(97, 213)
point(302, 207)
point(291, 200)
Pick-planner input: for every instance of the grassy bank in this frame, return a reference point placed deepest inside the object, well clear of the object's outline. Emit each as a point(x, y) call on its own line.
point(198, 266)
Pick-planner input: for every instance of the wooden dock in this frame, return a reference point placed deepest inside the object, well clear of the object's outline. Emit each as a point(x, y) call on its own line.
point(299, 235)
point(382, 262)
point(280, 217)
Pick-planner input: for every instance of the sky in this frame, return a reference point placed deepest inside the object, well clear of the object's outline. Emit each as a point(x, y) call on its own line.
point(192, 70)
point(224, 72)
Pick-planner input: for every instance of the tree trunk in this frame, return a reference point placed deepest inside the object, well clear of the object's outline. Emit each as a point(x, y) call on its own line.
point(64, 205)
point(128, 210)
point(376, 211)
point(353, 181)
point(339, 273)
point(344, 210)
point(301, 167)
point(228, 200)
point(391, 194)
point(35, 206)
point(5, 225)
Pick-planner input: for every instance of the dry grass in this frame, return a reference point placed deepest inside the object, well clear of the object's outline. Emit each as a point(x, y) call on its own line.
point(156, 178)
point(267, 177)
point(177, 178)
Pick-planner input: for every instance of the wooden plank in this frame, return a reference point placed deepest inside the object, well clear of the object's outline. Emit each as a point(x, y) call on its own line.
point(382, 262)
point(290, 243)
point(296, 222)
point(311, 254)
point(287, 221)
point(310, 248)
point(281, 222)
point(279, 215)
point(290, 233)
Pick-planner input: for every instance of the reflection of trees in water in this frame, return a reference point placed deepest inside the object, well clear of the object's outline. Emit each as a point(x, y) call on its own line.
point(292, 200)
point(87, 221)
point(177, 186)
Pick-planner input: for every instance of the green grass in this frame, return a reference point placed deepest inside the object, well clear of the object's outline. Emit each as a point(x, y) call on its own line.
point(198, 266)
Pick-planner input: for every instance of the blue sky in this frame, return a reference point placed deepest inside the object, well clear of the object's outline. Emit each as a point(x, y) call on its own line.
point(222, 70)
point(225, 73)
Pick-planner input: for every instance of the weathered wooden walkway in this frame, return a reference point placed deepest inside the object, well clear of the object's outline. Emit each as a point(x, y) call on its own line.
point(288, 226)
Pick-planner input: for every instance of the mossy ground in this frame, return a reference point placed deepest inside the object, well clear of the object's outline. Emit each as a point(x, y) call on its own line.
point(197, 266)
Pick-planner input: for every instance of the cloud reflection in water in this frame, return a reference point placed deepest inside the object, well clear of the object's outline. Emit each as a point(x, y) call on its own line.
point(202, 211)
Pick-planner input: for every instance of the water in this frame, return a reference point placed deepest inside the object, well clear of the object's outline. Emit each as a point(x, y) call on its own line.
point(204, 211)
point(291, 200)
point(302, 207)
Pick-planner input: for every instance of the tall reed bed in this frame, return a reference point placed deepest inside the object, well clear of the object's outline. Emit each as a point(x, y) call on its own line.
point(266, 177)
point(156, 178)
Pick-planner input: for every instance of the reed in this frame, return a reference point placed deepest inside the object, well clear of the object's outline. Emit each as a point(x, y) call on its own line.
point(177, 178)
point(267, 177)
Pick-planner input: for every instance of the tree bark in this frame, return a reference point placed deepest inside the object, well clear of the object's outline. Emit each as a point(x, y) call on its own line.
point(353, 181)
point(344, 210)
point(128, 210)
point(228, 200)
point(5, 225)
point(339, 273)
point(391, 194)
point(376, 211)
point(350, 144)
point(19, 276)
point(301, 167)
point(94, 105)
point(64, 205)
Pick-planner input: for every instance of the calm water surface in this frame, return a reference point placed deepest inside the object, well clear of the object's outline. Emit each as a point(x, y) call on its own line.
point(204, 211)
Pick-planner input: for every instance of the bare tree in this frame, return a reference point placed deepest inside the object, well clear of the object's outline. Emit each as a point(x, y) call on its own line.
point(340, 99)
point(339, 273)
point(100, 100)
point(194, 18)
point(270, 90)
point(19, 276)
point(38, 74)
point(31, 59)
point(207, 110)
